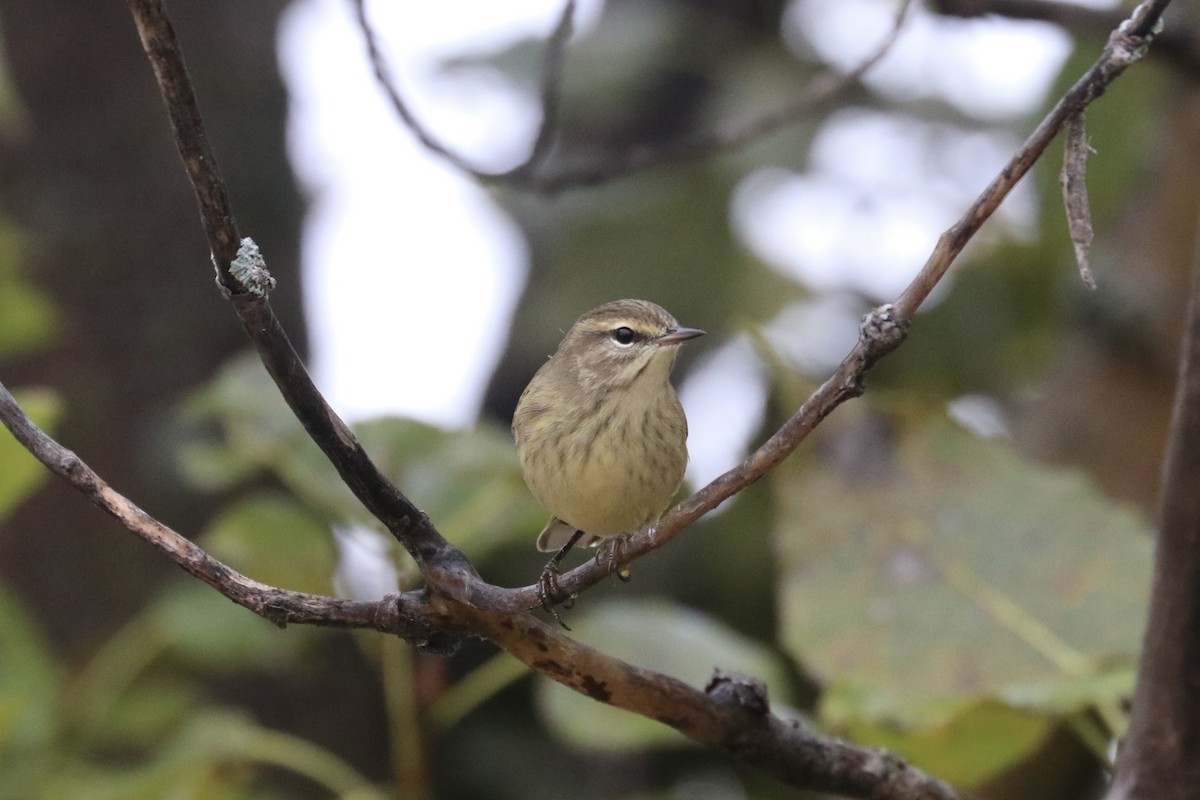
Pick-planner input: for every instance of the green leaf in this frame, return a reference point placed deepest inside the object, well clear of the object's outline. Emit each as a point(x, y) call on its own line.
point(148, 712)
point(215, 756)
point(957, 573)
point(659, 635)
point(469, 482)
point(274, 540)
point(28, 318)
point(29, 682)
point(207, 629)
point(979, 741)
point(20, 472)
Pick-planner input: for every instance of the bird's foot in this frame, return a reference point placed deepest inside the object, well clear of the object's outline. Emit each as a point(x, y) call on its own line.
point(550, 594)
point(611, 553)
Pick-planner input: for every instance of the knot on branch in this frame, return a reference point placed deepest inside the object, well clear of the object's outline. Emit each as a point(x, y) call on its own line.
point(387, 613)
point(449, 573)
point(275, 609)
point(439, 643)
point(740, 691)
point(1131, 41)
point(414, 623)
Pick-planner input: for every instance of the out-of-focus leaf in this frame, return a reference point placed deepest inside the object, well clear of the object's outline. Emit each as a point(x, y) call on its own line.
point(144, 715)
point(215, 756)
point(956, 572)
point(227, 736)
point(260, 429)
point(153, 780)
point(467, 481)
point(1105, 688)
point(29, 681)
point(659, 635)
point(274, 540)
point(20, 472)
point(207, 629)
point(212, 466)
point(27, 317)
point(971, 746)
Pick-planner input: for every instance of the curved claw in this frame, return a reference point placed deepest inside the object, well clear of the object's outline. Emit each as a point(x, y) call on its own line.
point(612, 552)
point(550, 594)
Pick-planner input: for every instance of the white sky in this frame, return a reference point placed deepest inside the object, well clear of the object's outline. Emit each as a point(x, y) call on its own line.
point(411, 269)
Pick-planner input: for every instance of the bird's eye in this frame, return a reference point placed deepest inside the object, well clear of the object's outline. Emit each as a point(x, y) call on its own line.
point(623, 336)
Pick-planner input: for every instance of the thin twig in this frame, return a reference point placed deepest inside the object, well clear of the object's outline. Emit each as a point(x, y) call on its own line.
point(527, 177)
point(814, 96)
point(551, 92)
point(1073, 178)
point(277, 605)
point(162, 48)
point(1179, 47)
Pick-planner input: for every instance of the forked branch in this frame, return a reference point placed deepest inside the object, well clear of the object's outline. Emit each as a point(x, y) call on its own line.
point(530, 176)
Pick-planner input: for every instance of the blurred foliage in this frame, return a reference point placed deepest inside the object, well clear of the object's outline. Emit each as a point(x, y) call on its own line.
point(29, 315)
point(971, 604)
point(469, 482)
point(937, 584)
point(135, 723)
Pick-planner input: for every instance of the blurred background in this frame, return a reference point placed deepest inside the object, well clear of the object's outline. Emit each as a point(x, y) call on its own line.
point(954, 567)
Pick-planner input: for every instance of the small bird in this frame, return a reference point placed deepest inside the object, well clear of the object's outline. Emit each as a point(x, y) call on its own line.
point(601, 436)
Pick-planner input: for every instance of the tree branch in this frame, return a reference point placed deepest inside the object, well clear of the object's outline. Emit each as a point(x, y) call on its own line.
point(277, 605)
point(735, 719)
point(732, 713)
point(550, 93)
point(397, 513)
point(640, 157)
point(1159, 756)
point(1073, 179)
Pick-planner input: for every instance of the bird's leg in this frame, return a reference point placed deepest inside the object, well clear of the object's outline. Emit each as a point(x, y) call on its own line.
point(612, 551)
point(549, 593)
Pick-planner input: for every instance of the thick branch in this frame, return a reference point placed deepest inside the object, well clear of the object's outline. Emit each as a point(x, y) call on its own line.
point(277, 605)
point(732, 713)
point(727, 715)
point(166, 58)
point(401, 517)
point(1159, 757)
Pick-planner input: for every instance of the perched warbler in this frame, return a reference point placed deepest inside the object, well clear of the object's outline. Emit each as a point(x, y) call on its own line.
point(600, 433)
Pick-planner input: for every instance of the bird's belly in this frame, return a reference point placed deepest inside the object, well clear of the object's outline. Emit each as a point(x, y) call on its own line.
point(606, 489)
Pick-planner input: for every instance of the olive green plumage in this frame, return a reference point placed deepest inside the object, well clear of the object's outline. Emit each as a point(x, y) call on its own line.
point(600, 432)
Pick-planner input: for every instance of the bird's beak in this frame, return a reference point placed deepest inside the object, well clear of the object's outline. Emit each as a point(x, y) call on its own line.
point(679, 335)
